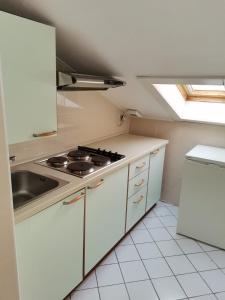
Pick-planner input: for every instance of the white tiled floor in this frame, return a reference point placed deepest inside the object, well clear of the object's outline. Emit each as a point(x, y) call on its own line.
point(153, 262)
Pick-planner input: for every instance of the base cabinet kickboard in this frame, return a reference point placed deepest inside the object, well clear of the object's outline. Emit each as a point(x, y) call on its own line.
point(58, 246)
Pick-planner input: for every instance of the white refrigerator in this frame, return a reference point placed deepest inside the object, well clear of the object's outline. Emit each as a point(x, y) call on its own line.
point(202, 198)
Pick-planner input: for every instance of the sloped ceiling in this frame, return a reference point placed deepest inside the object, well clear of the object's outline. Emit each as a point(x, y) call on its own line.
point(129, 37)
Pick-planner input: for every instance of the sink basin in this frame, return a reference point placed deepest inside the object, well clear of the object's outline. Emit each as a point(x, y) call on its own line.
point(27, 186)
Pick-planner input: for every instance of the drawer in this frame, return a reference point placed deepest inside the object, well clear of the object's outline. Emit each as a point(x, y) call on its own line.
point(138, 166)
point(137, 183)
point(136, 207)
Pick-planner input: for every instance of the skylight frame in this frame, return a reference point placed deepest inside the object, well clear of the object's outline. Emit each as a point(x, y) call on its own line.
point(201, 96)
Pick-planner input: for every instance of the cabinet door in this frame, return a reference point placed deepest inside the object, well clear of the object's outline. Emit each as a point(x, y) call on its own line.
point(105, 216)
point(49, 249)
point(155, 177)
point(28, 67)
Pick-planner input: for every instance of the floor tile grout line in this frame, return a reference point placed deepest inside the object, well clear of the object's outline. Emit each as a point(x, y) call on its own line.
point(206, 281)
point(171, 270)
point(202, 250)
point(163, 256)
point(147, 272)
point(196, 271)
point(200, 275)
point(188, 260)
point(97, 284)
point(160, 240)
point(122, 275)
point(152, 258)
point(213, 260)
point(213, 269)
point(194, 266)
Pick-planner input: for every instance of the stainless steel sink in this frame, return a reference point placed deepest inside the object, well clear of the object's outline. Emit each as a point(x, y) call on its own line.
point(27, 186)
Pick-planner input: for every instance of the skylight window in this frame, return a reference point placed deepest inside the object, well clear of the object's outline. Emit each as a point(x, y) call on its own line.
point(178, 95)
point(205, 87)
point(203, 93)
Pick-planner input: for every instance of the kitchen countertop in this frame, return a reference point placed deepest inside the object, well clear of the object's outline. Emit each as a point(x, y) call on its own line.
point(132, 146)
point(207, 154)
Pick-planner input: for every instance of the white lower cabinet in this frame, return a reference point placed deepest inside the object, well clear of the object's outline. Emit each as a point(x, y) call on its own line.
point(50, 244)
point(105, 216)
point(49, 248)
point(155, 177)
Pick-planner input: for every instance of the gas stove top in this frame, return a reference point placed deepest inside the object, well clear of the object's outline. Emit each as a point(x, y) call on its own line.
point(82, 161)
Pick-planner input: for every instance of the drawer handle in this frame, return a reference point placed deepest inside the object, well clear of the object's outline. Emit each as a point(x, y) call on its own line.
point(140, 184)
point(141, 166)
point(47, 133)
point(155, 152)
point(74, 200)
point(139, 200)
point(97, 185)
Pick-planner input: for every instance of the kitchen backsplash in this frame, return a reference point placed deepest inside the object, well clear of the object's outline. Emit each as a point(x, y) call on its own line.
point(83, 117)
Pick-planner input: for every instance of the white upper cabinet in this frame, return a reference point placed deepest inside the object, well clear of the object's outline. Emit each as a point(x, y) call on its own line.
point(28, 71)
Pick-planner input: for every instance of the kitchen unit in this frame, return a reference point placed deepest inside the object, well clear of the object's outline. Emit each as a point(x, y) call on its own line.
point(98, 215)
point(71, 208)
point(29, 77)
point(202, 205)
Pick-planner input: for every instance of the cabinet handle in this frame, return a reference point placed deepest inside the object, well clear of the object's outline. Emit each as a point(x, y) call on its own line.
point(47, 133)
point(155, 152)
point(139, 200)
point(141, 166)
point(140, 184)
point(74, 200)
point(97, 185)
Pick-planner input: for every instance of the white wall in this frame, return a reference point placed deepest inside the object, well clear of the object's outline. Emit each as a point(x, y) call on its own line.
point(182, 137)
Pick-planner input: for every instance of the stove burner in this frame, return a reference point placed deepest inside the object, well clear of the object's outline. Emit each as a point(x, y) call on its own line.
point(78, 155)
point(100, 161)
point(57, 161)
point(81, 168)
point(81, 161)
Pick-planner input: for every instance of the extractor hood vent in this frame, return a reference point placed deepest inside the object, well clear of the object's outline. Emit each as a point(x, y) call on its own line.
point(81, 82)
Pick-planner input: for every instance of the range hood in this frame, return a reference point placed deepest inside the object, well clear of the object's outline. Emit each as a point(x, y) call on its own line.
point(70, 81)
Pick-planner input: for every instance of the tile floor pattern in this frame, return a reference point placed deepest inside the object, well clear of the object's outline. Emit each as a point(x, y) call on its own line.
point(153, 262)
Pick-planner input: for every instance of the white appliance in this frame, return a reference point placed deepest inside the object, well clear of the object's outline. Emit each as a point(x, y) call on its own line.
point(202, 198)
